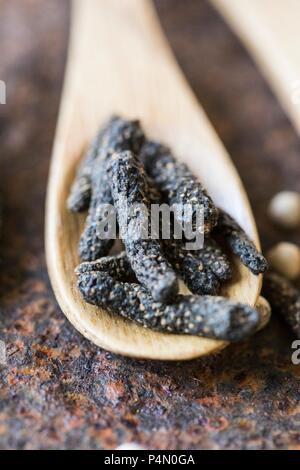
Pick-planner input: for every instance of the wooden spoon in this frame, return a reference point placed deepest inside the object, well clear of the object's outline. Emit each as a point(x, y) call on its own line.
point(120, 62)
point(270, 31)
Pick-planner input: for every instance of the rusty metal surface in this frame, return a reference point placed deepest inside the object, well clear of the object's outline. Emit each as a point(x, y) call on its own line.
point(57, 389)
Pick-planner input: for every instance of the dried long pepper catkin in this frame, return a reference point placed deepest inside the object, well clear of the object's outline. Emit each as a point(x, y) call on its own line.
point(212, 317)
point(93, 242)
point(213, 257)
point(201, 269)
point(119, 135)
point(130, 189)
point(197, 276)
point(284, 299)
point(177, 184)
point(240, 244)
point(117, 266)
point(80, 193)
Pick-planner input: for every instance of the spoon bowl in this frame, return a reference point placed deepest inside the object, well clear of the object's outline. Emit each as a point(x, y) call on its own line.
point(119, 62)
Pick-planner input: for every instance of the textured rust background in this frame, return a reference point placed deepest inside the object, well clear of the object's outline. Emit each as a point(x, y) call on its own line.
point(60, 391)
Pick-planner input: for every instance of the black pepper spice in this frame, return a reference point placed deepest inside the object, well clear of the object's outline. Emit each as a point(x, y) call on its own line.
point(80, 193)
point(201, 269)
point(117, 266)
point(213, 257)
point(197, 276)
point(93, 244)
point(129, 188)
point(120, 134)
point(240, 244)
point(212, 317)
point(284, 299)
point(112, 174)
point(177, 184)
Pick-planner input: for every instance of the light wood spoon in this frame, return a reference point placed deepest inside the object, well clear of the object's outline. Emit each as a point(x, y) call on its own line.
point(270, 31)
point(120, 62)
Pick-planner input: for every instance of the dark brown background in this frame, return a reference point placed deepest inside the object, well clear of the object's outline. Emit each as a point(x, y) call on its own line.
point(60, 391)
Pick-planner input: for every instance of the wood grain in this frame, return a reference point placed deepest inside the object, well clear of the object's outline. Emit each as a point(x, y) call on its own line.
point(119, 62)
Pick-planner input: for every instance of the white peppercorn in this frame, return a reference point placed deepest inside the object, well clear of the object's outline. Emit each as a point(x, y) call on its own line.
point(284, 209)
point(285, 259)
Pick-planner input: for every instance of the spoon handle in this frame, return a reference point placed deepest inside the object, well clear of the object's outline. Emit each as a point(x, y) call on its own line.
point(270, 31)
point(120, 61)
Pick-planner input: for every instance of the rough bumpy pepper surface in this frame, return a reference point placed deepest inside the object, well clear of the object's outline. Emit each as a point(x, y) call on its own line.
point(200, 269)
point(80, 193)
point(212, 317)
point(129, 188)
point(197, 276)
point(176, 183)
point(93, 244)
point(119, 135)
point(118, 266)
point(284, 299)
point(215, 259)
point(240, 244)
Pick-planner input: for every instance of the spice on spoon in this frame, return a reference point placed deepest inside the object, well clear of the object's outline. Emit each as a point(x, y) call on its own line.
point(80, 193)
point(198, 277)
point(129, 188)
point(141, 283)
point(118, 266)
point(176, 183)
point(213, 257)
point(240, 244)
point(120, 134)
point(202, 269)
point(93, 244)
point(212, 317)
